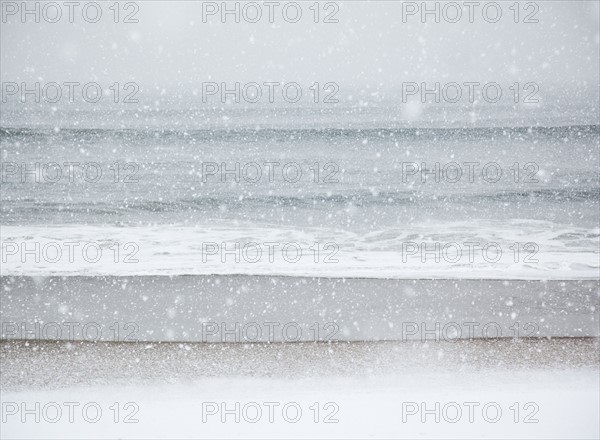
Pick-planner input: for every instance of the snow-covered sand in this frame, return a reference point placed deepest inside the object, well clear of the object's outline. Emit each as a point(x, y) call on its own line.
point(364, 389)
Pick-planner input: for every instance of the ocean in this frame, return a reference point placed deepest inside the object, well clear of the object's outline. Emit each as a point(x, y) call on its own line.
point(516, 202)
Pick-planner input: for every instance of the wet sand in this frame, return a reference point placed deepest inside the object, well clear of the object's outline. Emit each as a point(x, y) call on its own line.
point(180, 308)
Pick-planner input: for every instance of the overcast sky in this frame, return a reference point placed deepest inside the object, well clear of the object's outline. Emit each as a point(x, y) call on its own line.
point(369, 48)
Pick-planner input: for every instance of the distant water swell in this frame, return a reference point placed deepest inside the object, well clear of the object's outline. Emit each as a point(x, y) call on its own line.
point(13, 209)
point(236, 134)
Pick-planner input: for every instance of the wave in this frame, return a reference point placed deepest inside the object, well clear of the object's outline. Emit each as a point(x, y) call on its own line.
point(355, 199)
point(250, 134)
point(528, 250)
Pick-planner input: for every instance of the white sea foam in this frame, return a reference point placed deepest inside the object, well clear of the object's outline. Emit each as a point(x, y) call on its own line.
point(555, 251)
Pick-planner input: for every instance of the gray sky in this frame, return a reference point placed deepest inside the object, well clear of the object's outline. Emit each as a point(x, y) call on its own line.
point(370, 49)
